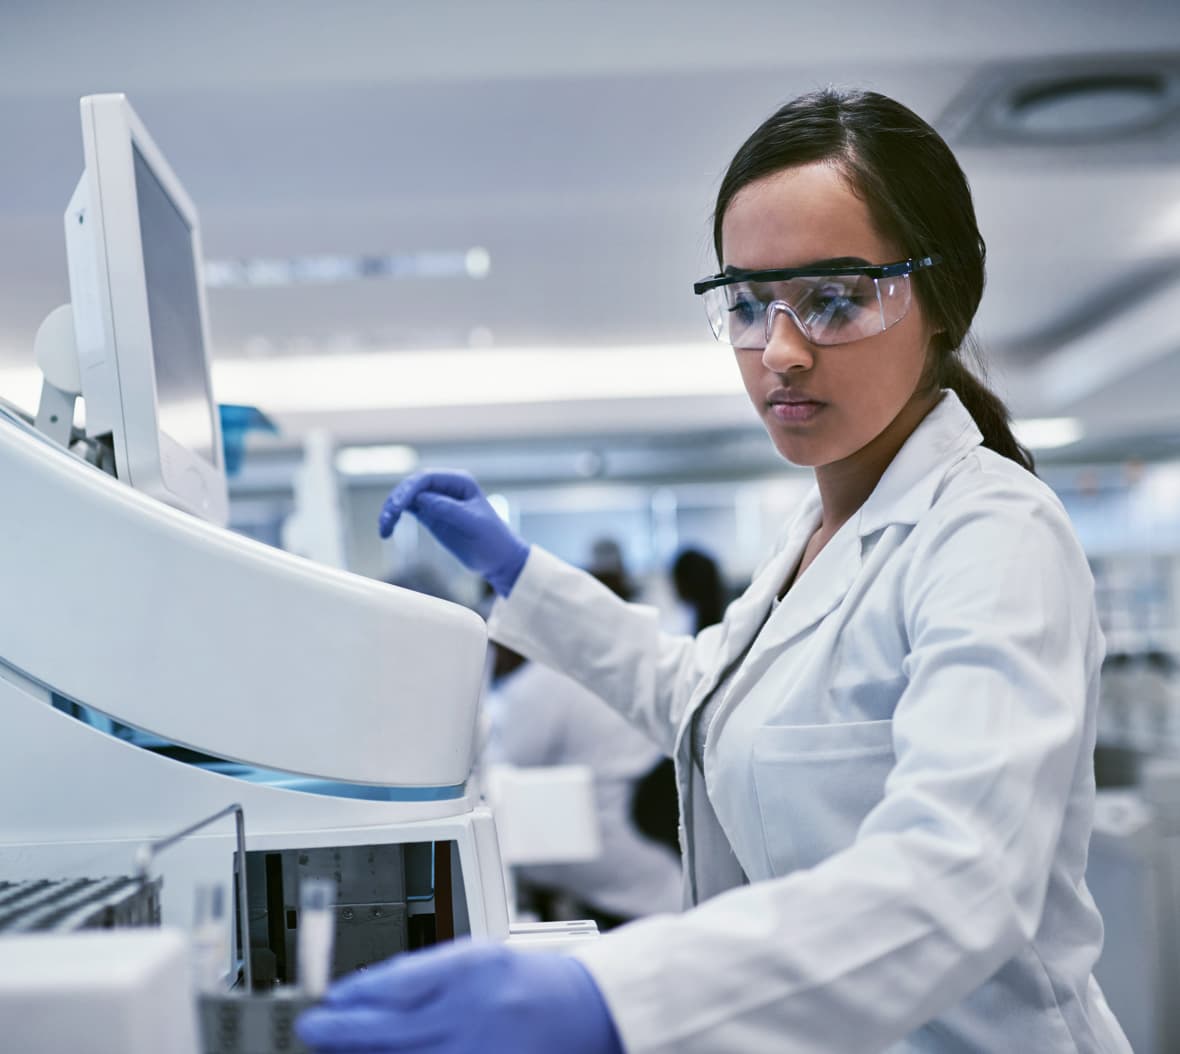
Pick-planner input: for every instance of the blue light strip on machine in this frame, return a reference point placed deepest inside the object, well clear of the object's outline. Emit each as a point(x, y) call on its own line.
point(337, 788)
point(137, 737)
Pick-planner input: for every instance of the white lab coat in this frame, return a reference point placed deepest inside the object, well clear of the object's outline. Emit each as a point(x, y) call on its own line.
point(902, 767)
point(541, 717)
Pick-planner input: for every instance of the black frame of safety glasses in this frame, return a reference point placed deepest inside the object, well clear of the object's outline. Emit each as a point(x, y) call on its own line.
point(891, 270)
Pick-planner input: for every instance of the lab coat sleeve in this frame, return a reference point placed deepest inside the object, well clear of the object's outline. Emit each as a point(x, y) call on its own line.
point(565, 618)
point(946, 878)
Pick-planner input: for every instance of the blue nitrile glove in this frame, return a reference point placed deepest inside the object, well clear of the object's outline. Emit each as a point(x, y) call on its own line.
point(465, 999)
point(456, 512)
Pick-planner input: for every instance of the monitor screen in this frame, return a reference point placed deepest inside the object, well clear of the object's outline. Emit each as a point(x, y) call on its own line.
point(184, 401)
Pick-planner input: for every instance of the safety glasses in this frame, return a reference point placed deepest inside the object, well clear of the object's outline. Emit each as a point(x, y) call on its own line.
point(830, 305)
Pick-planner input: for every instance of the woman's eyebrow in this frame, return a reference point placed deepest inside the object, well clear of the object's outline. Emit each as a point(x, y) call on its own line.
point(839, 261)
point(834, 261)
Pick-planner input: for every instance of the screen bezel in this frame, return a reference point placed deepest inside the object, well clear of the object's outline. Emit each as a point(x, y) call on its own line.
point(118, 365)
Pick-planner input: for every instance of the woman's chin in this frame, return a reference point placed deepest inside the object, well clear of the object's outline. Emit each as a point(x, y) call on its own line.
point(800, 453)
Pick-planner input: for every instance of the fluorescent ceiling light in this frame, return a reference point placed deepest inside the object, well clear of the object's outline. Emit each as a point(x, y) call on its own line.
point(482, 377)
point(333, 270)
point(452, 378)
point(376, 460)
point(1047, 433)
point(474, 377)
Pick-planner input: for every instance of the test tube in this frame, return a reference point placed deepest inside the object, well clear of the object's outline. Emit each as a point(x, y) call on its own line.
point(210, 937)
point(317, 927)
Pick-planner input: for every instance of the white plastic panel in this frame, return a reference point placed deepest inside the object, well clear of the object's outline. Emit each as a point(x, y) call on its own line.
point(104, 992)
point(545, 814)
point(209, 639)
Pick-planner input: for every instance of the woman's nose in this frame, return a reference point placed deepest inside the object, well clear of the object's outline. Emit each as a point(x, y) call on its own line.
point(786, 346)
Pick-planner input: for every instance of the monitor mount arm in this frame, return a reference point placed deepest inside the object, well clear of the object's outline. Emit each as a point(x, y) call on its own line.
point(56, 350)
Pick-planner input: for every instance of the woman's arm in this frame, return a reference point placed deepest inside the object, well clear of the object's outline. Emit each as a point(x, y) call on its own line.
point(566, 619)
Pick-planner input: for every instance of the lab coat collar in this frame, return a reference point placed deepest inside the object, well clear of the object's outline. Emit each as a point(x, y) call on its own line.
point(815, 592)
point(821, 587)
point(746, 615)
point(907, 489)
point(903, 493)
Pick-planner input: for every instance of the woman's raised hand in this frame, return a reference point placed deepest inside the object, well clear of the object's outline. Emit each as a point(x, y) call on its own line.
point(454, 509)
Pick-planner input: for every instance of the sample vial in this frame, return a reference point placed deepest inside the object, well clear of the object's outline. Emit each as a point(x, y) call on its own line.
point(317, 927)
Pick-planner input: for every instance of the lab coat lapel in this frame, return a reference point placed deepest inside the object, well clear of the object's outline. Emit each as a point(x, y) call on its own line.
point(746, 622)
point(702, 836)
point(748, 613)
point(820, 588)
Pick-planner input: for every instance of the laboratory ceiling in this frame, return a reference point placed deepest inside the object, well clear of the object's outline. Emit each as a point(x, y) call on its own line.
point(580, 145)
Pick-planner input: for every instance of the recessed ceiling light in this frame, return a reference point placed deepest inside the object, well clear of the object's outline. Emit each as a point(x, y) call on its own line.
point(1090, 105)
point(1128, 102)
point(478, 262)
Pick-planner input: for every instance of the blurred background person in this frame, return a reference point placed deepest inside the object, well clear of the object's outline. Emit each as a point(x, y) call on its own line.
point(700, 589)
point(697, 579)
point(540, 717)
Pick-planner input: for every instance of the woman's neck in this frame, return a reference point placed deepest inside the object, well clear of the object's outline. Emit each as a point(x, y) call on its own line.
point(845, 485)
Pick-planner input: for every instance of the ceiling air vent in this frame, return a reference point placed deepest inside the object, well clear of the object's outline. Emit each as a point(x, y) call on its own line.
point(1119, 106)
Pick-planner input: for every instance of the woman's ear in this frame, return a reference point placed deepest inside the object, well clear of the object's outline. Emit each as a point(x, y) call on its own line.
point(936, 342)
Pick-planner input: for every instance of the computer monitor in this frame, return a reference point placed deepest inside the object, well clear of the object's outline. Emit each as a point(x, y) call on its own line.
point(134, 248)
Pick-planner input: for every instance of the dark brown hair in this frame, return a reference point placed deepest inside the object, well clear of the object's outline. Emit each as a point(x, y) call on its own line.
point(919, 198)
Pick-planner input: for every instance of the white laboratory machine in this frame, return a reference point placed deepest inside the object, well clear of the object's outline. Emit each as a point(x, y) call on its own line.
point(156, 667)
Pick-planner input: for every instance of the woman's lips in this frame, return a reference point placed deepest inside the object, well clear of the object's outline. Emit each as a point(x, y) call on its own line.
point(796, 410)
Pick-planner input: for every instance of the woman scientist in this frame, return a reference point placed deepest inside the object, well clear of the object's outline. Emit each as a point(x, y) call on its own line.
point(884, 751)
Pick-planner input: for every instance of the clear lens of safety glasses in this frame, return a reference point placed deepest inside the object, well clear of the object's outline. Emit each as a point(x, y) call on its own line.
point(827, 305)
point(834, 309)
